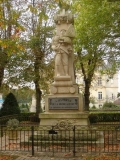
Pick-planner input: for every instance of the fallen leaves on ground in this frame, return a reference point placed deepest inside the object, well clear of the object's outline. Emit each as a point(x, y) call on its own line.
point(7, 157)
point(103, 157)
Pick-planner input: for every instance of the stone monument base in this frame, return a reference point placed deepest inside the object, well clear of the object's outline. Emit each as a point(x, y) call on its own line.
point(64, 109)
point(65, 118)
point(66, 103)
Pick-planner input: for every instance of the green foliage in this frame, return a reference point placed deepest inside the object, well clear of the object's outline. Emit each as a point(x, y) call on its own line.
point(10, 29)
point(104, 117)
point(12, 124)
point(109, 105)
point(21, 117)
point(118, 95)
point(24, 108)
point(94, 41)
point(63, 4)
point(10, 106)
point(36, 66)
point(23, 95)
point(93, 107)
point(93, 118)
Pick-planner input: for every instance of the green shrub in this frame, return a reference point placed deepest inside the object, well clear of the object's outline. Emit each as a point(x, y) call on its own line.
point(118, 95)
point(12, 124)
point(104, 117)
point(93, 118)
point(109, 105)
point(24, 108)
point(10, 106)
point(93, 107)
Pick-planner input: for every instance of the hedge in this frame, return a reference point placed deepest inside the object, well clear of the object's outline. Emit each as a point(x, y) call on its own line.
point(104, 117)
point(21, 117)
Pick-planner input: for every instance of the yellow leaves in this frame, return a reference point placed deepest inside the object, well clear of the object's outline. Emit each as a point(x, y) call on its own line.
point(2, 25)
point(20, 47)
point(16, 48)
point(6, 157)
point(11, 46)
point(4, 46)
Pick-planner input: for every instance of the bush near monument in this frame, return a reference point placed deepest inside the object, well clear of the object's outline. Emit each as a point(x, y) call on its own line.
point(10, 106)
point(104, 117)
point(109, 105)
point(12, 124)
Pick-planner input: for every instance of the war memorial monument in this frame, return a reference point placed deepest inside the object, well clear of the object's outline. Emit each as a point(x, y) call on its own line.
point(64, 105)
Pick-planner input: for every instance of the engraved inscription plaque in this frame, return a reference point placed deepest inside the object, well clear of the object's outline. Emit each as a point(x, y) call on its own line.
point(65, 103)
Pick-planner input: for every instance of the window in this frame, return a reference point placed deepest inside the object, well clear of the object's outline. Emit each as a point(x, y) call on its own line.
point(99, 81)
point(100, 105)
point(99, 95)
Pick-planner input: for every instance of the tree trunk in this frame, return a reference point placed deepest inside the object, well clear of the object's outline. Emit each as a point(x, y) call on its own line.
point(38, 99)
point(87, 94)
point(1, 75)
point(3, 62)
point(37, 87)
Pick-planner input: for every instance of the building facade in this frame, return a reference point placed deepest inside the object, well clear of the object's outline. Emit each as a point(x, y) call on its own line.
point(103, 88)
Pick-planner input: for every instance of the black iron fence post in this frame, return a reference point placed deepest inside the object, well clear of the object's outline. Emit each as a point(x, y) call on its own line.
point(52, 143)
point(1, 131)
point(74, 141)
point(52, 132)
point(32, 131)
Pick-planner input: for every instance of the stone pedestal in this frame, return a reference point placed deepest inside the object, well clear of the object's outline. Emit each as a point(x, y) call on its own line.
point(64, 118)
point(67, 109)
point(63, 85)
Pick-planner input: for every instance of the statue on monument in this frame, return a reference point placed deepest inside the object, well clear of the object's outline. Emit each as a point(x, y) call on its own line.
point(63, 53)
point(62, 44)
point(64, 79)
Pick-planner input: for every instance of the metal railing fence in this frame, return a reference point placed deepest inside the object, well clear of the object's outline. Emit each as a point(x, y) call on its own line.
point(70, 140)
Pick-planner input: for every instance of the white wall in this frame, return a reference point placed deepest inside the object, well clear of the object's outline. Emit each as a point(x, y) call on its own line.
point(109, 88)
